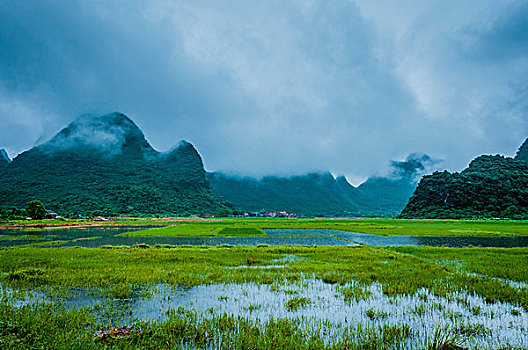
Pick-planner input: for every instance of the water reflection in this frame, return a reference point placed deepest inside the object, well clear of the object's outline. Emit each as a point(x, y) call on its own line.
point(424, 312)
point(96, 236)
point(438, 241)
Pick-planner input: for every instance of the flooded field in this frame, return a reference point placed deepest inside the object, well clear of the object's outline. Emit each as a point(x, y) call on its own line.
point(96, 236)
point(282, 288)
point(321, 309)
point(435, 241)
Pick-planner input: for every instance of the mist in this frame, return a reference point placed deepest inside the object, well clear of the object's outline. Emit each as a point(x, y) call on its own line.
point(415, 166)
point(275, 88)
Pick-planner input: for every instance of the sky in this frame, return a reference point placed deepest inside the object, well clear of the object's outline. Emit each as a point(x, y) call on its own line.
point(274, 87)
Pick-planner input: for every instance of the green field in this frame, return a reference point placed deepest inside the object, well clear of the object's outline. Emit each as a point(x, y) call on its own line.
point(119, 272)
point(389, 293)
point(383, 227)
point(399, 270)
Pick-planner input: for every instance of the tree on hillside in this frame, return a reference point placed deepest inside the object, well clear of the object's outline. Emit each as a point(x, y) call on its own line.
point(36, 210)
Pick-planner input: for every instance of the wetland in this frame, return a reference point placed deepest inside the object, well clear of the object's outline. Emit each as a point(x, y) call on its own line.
point(200, 285)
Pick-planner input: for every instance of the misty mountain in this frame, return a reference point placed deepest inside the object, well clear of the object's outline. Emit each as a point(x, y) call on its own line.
point(312, 194)
point(522, 153)
point(104, 164)
point(320, 194)
point(490, 187)
point(4, 160)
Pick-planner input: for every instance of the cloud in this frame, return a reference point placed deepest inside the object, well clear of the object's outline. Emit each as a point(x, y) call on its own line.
point(107, 132)
point(276, 87)
point(415, 166)
point(465, 66)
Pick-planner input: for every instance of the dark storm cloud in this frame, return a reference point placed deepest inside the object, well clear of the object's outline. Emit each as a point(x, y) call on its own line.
point(273, 87)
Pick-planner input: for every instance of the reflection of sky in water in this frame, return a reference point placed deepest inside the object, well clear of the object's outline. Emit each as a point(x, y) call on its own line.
point(423, 311)
point(374, 240)
point(107, 236)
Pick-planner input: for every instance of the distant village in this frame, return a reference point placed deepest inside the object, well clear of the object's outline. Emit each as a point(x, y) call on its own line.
point(270, 214)
point(259, 214)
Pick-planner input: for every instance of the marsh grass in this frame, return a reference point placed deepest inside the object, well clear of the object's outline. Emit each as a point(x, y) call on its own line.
point(356, 275)
point(45, 326)
point(383, 227)
point(355, 293)
point(383, 314)
point(398, 270)
point(444, 339)
point(296, 303)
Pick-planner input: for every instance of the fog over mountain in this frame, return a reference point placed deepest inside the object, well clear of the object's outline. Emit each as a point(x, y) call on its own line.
point(104, 165)
point(414, 166)
point(4, 160)
point(276, 87)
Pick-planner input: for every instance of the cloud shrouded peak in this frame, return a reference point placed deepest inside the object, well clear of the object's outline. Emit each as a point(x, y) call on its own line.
point(110, 132)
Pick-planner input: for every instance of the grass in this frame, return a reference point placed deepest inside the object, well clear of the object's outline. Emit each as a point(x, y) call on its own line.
point(296, 303)
point(20, 238)
point(195, 230)
point(124, 271)
point(355, 293)
point(507, 264)
point(398, 272)
point(384, 227)
point(43, 326)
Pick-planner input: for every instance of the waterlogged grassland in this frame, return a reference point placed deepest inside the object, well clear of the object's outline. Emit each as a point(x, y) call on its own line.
point(510, 264)
point(397, 272)
point(43, 327)
point(390, 292)
point(384, 227)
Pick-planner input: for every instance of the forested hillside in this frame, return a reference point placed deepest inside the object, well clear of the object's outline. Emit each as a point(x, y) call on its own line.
point(522, 153)
point(4, 160)
point(104, 165)
point(491, 187)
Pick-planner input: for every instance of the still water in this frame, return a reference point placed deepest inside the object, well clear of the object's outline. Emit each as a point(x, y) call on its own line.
point(96, 236)
point(326, 309)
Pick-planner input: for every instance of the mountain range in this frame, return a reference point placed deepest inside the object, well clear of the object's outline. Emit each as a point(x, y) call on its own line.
point(314, 194)
point(104, 165)
point(322, 194)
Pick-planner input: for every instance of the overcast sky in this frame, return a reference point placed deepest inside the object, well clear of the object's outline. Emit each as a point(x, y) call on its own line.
point(274, 87)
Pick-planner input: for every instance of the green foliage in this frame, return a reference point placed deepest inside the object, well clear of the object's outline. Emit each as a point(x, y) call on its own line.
point(36, 210)
point(382, 227)
point(522, 153)
point(241, 231)
point(296, 303)
point(401, 270)
point(44, 326)
point(12, 213)
point(83, 178)
point(315, 194)
point(355, 293)
point(491, 187)
point(197, 230)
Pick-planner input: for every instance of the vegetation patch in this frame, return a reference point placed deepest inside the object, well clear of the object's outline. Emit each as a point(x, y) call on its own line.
point(296, 303)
